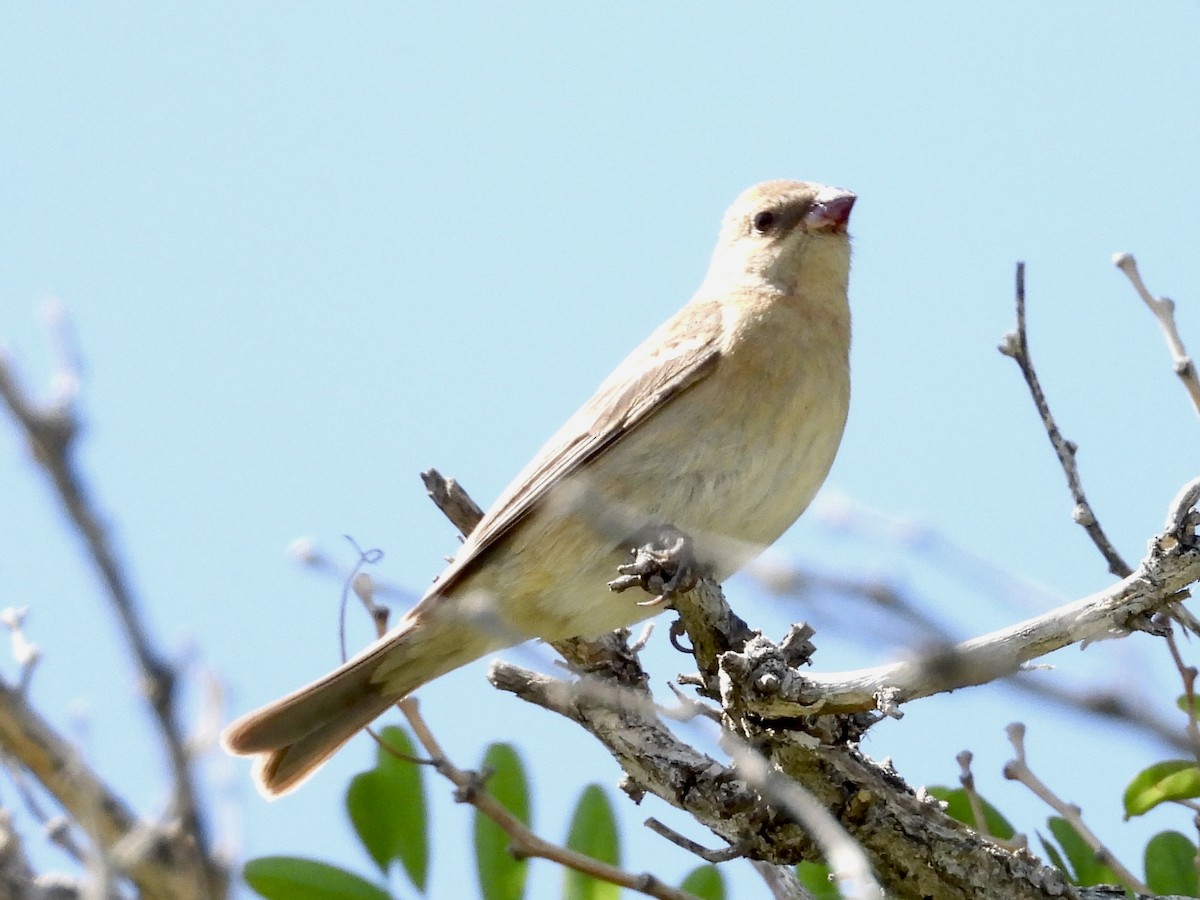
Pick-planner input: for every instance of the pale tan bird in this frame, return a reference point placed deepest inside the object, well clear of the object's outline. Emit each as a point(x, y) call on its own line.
point(723, 424)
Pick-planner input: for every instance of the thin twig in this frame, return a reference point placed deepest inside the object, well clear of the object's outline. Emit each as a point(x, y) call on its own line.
point(51, 431)
point(686, 843)
point(1016, 345)
point(57, 828)
point(978, 815)
point(522, 841)
point(967, 779)
point(1163, 309)
point(1018, 770)
point(1104, 702)
point(1187, 674)
point(782, 881)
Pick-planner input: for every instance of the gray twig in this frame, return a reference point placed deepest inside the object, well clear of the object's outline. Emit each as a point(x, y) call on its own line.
point(1163, 309)
point(1016, 345)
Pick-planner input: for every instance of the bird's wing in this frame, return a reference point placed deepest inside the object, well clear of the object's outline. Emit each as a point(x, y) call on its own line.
point(683, 351)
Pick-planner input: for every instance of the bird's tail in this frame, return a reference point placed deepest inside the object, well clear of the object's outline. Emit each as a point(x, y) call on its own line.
point(293, 736)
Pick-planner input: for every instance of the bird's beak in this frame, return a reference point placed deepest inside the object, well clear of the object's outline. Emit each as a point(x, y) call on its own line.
point(830, 211)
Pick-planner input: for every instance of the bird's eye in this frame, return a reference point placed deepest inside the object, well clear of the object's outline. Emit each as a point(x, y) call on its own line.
point(764, 221)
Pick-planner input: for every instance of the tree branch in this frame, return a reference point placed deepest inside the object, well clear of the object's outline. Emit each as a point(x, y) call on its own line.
point(774, 689)
point(51, 432)
point(1016, 345)
point(161, 865)
point(1163, 309)
point(913, 847)
point(917, 850)
point(522, 841)
point(1017, 769)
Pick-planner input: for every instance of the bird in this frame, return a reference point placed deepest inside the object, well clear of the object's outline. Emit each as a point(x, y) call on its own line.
point(723, 424)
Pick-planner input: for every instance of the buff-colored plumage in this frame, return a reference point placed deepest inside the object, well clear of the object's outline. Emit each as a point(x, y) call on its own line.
point(723, 423)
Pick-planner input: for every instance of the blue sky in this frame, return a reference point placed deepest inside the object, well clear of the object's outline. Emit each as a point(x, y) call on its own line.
point(309, 251)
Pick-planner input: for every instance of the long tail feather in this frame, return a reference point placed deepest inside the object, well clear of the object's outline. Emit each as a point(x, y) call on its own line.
point(293, 736)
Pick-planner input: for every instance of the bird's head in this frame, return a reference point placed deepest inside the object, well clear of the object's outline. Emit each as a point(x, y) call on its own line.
point(783, 234)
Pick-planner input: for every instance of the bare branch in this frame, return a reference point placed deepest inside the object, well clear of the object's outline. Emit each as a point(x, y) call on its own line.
point(788, 580)
point(814, 752)
point(713, 856)
point(160, 864)
point(522, 841)
point(1016, 345)
point(914, 847)
point(57, 828)
point(776, 690)
point(1187, 674)
point(901, 834)
point(448, 495)
point(1018, 770)
point(782, 881)
point(845, 857)
point(51, 431)
point(1163, 309)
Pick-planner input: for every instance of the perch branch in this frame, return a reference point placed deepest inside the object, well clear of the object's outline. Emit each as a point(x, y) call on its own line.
point(883, 820)
point(775, 689)
point(923, 852)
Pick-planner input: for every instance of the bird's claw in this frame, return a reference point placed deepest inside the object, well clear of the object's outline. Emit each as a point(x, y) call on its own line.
point(663, 564)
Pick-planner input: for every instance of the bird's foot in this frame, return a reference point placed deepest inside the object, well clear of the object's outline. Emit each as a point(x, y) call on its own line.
point(663, 564)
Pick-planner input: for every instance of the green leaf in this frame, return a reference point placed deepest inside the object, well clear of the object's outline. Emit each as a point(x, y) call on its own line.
point(501, 876)
point(1182, 702)
point(819, 881)
point(706, 882)
point(1171, 865)
point(387, 807)
point(1174, 779)
point(292, 878)
point(1088, 870)
point(593, 832)
point(958, 806)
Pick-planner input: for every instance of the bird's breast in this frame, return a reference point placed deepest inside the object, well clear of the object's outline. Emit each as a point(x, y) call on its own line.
point(736, 458)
